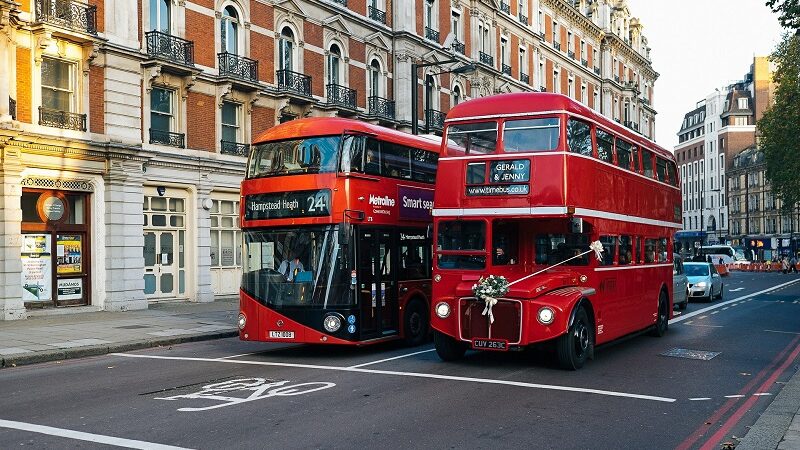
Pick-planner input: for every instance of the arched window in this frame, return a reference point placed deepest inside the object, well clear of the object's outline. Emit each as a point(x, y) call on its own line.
point(456, 95)
point(375, 78)
point(229, 30)
point(160, 15)
point(286, 50)
point(430, 92)
point(334, 65)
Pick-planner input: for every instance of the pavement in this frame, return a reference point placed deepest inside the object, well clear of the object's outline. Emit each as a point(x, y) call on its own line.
point(53, 335)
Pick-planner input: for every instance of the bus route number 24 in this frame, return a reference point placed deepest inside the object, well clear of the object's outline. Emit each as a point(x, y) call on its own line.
point(317, 203)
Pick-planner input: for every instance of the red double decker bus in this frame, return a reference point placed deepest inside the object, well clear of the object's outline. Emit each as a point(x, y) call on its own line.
point(336, 219)
point(532, 180)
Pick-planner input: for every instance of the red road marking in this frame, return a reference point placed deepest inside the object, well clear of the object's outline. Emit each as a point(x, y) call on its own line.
point(699, 432)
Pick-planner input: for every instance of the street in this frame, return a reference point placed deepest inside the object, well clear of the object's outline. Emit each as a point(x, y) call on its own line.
point(703, 384)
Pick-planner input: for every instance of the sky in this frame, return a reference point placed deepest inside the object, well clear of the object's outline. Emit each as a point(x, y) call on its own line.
point(703, 45)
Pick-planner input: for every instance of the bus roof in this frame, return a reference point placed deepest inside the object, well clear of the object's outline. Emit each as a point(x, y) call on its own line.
point(331, 126)
point(522, 103)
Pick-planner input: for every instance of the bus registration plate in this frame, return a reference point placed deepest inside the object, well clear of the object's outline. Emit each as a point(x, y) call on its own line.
point(281, 334)
point(498, 345)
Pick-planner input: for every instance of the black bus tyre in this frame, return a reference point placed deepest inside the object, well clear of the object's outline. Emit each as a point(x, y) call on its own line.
point(448, 348)
point(577, 344)
point(662, 322)
point(415, 323)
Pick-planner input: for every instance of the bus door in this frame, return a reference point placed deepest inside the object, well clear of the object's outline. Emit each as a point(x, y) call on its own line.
point(377, 282)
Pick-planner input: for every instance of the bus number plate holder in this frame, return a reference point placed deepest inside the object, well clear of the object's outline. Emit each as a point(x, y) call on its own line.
point(281, 334)
point(497, 345)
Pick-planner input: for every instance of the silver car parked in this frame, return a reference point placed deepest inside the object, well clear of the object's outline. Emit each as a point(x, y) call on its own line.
point(680, 284)
point(704, 280)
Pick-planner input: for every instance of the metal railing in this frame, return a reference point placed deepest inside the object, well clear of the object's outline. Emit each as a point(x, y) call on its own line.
point(61, 119)
point(68, 14)
point(238, 66)
point(341, 2)
point(584, 63)
point(234, 148)
point(524, 78)
point(616, 78)
point(381, 107)
point(506, 69)
point(167, 138)
point(431, 34)
point(377, 15)
point(294, 82)
point(485, 58)
point(459, 47)
point(12, 108)
point(597, 70)
point(341, 95)
point(435, 119)
point(505, 7)
point(571, 54)
point(542, 89)
point(171, 48)
point(523, 18)
point(557, 45)
point(644, 100)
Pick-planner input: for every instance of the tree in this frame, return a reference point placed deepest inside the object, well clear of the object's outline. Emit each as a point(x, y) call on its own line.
point(779, 126)
point(789, 13)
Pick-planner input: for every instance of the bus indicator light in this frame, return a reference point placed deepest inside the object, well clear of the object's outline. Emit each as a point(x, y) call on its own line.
point(351, 319)
point(351, 329)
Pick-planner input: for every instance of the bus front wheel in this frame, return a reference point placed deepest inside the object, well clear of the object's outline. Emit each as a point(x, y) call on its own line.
point(662, 322)
point(415, 323)
point(575, 346)
point(448, 348)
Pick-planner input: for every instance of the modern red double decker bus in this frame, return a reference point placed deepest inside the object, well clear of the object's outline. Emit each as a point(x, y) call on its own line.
point(532, 180)
point(336, 220)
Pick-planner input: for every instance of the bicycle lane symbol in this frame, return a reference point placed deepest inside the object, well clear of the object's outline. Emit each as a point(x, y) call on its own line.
point(259, 389)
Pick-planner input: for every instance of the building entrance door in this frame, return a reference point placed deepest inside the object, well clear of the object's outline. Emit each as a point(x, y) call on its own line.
point(164, 247)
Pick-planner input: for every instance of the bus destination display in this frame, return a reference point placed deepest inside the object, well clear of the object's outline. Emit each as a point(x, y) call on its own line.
point(288, 204)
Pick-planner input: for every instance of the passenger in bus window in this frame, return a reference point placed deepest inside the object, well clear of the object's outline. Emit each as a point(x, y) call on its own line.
point(501, 258)
point(371, 165)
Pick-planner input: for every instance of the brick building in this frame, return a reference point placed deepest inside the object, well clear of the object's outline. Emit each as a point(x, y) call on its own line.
point(124, 137)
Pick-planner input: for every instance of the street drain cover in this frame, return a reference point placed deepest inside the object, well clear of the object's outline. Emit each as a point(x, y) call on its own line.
point(133, 327)
point(690, 354)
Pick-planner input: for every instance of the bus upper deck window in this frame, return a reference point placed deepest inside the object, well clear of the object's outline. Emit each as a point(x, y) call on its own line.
point(605, 146)
point(531, 135)
point(478, 137)
point(579, 137)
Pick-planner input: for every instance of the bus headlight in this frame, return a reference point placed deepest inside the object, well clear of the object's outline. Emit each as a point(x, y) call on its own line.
point(546, 315)
point(437, 278)
point(242, 321)
point(443, 310)
point(332, 323)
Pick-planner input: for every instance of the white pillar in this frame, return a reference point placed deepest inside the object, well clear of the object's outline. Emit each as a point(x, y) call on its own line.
point(11, 305)
point(204, 292)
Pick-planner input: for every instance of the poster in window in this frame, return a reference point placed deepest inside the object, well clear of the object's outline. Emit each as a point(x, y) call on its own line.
point(37, 268)
point(70, 289)
point(69, 254)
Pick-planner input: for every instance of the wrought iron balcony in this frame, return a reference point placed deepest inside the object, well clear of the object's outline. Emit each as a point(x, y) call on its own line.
point(435, 119)
point(523, 18)
point(12, 108)
point(61, 119)
point(571, 54)
point(645, 101)
point(297, 83)
point(557, 45)
point(68, 14)
point(459, 47)
point(524, 78)
point(597, 70)
point(616, 78)
point(167, 138)
point(505, 7)
point(506, 69)
point(584, 63)
point(486, 59)
point(171, 48)
point(381, 107)
point(542, 89)
point(238, 67)
point(377, 15)
point(431, 34)
point(234, 148)
point(341, 95)
point(341, 2)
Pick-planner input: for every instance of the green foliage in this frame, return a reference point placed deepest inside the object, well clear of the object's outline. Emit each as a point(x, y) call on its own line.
point(789, 12)
point(780, 126)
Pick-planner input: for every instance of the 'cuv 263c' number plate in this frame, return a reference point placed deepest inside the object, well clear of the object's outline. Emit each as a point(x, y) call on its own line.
point(498, 345)
point(281, 334)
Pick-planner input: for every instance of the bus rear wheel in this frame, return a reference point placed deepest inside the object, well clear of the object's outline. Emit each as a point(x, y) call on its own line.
point(574, 347)
point(448, 348)
point(662, 322)
point(415, 323)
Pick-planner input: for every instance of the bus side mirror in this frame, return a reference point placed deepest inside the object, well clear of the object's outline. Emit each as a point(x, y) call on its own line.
point(576, 225)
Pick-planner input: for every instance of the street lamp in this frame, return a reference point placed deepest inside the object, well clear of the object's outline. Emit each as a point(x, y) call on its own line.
point(466, 68)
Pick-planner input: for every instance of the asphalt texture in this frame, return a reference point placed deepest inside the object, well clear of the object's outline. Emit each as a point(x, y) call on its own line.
point(224, 393)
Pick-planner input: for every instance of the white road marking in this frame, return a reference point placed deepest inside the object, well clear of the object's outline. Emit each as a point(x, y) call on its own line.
point(702, 325)
point(411, 374)
point(719, 305)
point(734, 396)
point(699, 398)
point(725, 308)
point(702, 317)
point(714, 312)
point(689, 322)
point(390, 359)
point(785, 332)
point(736, 290)
point(81, 436)
point(241, 354)
point(761, 393)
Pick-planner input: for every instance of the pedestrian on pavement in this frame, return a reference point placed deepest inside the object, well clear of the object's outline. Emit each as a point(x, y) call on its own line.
point(784, 265)
point(793, 264)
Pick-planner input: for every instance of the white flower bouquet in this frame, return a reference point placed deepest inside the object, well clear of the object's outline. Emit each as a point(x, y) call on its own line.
point(491, 286)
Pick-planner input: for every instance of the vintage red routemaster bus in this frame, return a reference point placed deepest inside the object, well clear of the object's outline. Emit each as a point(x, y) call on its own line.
point(336, 220)
point(532, 180)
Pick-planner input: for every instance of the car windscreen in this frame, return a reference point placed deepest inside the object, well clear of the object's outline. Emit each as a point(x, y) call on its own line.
point(696, 270)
